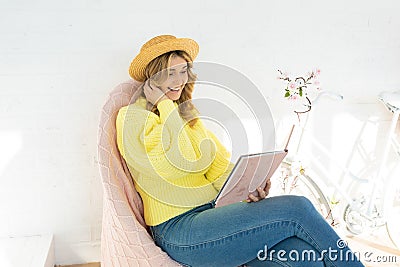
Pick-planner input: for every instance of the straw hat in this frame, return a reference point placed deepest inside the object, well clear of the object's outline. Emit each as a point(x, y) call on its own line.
point(156, 47)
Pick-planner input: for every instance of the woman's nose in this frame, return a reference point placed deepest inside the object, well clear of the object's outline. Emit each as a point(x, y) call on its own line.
point(179, 80)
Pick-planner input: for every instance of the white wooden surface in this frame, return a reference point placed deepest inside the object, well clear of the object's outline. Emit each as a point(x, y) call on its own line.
point(28, 251)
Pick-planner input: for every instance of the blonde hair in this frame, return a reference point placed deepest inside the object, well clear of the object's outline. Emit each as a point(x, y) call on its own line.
point(158, 70)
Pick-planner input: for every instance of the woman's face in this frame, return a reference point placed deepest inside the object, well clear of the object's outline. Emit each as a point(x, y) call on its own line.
point(177, 78)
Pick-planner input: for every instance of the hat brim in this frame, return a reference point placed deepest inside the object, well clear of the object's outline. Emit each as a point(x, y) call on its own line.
point(139, 63)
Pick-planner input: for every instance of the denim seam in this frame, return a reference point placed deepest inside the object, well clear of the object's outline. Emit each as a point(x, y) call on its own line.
point(224, 237)
point(235, 234)
point(315, 243)
point(282, 263)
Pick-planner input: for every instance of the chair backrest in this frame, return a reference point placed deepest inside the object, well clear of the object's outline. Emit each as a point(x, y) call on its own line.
point(125, 240)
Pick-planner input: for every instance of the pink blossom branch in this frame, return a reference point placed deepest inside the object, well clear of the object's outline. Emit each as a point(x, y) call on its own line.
point(284, 78)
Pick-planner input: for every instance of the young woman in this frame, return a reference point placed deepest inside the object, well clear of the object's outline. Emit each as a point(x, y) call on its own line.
point(179, 166)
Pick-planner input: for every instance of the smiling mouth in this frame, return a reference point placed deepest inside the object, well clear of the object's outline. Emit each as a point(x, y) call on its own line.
point(175, 89)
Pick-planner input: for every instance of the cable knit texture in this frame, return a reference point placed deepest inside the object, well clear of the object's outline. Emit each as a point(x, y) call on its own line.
point(175, 167)
point(125, 240)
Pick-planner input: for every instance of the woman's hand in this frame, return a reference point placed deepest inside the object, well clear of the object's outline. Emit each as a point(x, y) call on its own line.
point(153, 93)
point(262, 193)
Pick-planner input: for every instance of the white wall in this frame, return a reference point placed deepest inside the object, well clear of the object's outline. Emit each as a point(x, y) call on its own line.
point(59, 60)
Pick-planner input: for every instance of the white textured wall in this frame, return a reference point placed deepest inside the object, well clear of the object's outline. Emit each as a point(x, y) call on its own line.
point(59, 60)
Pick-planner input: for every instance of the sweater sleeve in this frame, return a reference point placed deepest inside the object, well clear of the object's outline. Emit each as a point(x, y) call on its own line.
point(221, 167)
point(157, 144)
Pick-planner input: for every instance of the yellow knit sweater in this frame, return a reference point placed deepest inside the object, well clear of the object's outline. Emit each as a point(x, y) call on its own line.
point(175, 167)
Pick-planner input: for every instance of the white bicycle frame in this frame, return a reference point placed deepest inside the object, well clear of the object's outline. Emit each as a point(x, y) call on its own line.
point(346, 172)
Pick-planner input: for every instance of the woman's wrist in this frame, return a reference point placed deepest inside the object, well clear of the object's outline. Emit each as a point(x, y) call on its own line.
point(161, 99)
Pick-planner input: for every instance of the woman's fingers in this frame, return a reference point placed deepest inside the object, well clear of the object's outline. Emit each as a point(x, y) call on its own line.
point(253, 198)
point(267, 187)
point(153, 93)
point(261, 193)
point(151, 87)
point(146, 88)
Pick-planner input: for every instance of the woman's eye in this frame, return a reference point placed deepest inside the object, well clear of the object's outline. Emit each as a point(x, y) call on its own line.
point(183, 72)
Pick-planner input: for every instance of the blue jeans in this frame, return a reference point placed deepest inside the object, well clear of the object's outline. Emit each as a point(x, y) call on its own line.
point(277, 231)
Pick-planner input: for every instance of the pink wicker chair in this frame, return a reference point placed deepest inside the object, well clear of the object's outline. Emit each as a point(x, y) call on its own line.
point(125, 240)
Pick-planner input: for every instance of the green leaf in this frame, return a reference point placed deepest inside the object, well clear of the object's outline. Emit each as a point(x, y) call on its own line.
point(301, 92)
point(287, 94)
